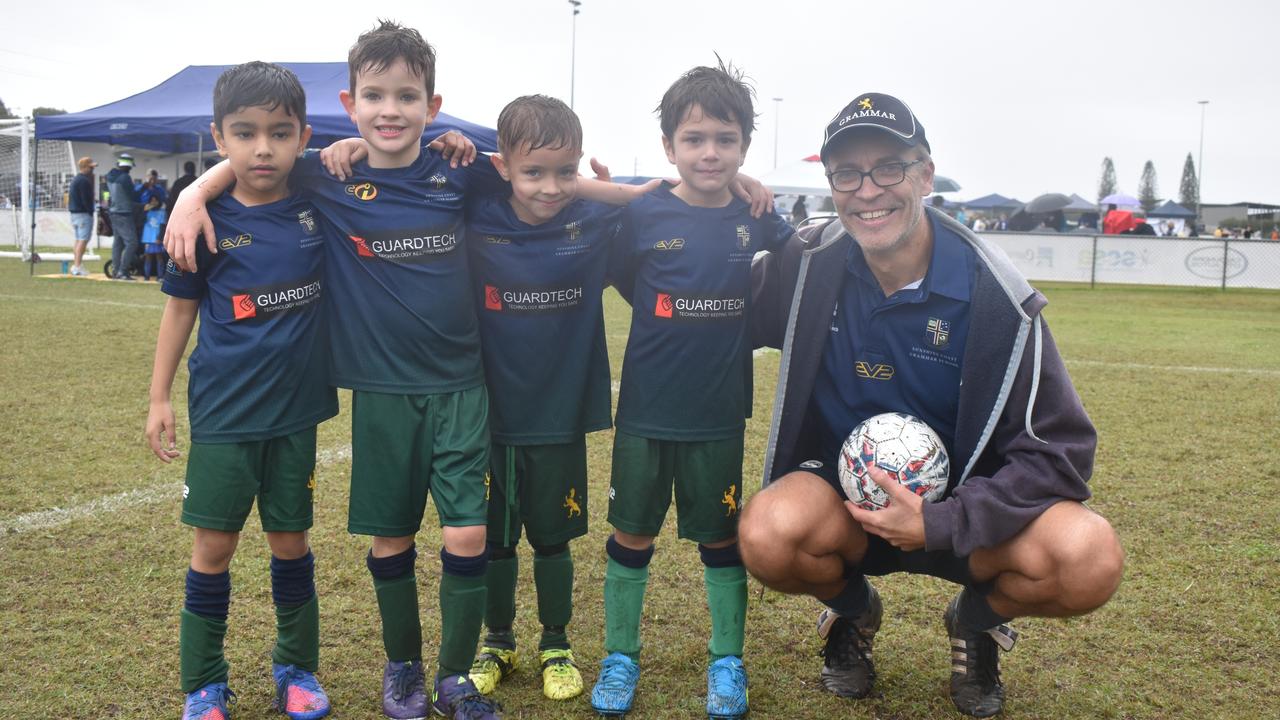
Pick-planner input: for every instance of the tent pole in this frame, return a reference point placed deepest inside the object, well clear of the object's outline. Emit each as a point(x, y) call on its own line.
point(199, 153)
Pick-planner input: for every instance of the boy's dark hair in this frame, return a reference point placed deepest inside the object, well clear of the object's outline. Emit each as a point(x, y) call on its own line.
point(539, 121)
point(259, 84)
point(722, 92)
point(378, 48)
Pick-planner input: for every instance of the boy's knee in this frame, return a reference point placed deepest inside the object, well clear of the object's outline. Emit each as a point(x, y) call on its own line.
point(464, 541)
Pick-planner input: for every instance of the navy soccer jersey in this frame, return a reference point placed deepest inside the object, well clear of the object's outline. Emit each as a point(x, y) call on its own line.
point(686, 270)
point(538, 293)
point(399, 295)
point(260, 366)
point(900, 353)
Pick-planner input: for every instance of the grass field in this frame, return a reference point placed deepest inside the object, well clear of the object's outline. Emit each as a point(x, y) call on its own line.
point(1184, 386)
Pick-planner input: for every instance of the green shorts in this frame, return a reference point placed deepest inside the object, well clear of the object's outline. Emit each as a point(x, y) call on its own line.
point(550, 495)
point(223, 479)
point(404, 446)
point(707, 476)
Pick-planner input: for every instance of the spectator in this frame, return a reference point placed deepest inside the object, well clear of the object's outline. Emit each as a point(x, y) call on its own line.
point(799, 211)
point(1002, 223)
point(1139, 225)
point(188, 177)
point(124, 210)
point(979, 225)
point(80, 205)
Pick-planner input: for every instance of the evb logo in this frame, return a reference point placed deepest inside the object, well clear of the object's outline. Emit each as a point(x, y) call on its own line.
point(878, 371)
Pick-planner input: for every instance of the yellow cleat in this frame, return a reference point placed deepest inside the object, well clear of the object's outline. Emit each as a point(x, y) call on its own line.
point(492, 665)
point(560, 677)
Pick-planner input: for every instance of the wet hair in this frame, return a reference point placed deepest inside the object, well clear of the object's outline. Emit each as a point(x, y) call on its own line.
point(259, 84)
point(379, 48)
point(538, 121)
point(722, 92)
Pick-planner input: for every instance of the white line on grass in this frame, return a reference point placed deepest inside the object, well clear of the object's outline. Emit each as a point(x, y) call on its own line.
point(82, 301)
point(1177, 368)
point(119, 502)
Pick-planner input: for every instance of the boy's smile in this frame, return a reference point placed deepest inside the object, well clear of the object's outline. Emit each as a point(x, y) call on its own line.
point(391, 109)
point(707, 153)
point(262, 146)
point(543, 181)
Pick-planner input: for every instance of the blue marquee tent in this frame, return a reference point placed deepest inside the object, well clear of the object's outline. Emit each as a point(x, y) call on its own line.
point(174, 116)
point(1171, 209)
point(993, 201)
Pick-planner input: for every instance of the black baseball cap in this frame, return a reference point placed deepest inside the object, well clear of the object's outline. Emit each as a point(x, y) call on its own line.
point(876, 110)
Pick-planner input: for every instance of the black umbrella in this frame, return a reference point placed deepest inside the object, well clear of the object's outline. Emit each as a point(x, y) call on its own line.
point(1048, 203)
point(944, 184)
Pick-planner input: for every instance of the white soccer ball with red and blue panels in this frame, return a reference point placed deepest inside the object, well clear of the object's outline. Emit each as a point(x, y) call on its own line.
point(902, 445)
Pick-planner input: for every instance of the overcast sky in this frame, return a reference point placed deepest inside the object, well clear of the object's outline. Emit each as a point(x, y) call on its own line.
point(1016, 98)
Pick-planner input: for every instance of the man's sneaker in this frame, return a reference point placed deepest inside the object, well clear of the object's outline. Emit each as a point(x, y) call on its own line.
point(615, 689)
point(404, 691)
point(79, 271)
point(847, 669)
point(298, 693)
point(456, 697)
point(726, 689)
point(211, 702)
point(491, 667)
point(975, 664)
point(560, 677)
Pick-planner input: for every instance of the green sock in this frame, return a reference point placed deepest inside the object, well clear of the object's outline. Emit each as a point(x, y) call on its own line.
point(623, 603)
point(298, 635)
point(401, 628)
point(200, 651)
point(500, 603)
point(553, 578)
point(462, 605)
point(727, 600)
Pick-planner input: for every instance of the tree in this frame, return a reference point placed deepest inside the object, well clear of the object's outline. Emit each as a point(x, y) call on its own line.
point(48, 111)
point(4, 112)
point(1107, 186)
point(1147, 188)
point(1189, 188)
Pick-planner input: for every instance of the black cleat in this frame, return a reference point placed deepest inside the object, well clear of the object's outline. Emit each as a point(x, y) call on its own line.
point(976, 689)
point(847, 670)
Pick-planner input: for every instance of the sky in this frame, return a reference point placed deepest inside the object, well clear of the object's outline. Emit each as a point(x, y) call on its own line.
point(1019, 98)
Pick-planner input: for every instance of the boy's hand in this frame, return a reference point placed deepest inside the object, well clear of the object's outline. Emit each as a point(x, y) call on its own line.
point(190, 219)
point(162, 429)
point(455, 147)
point(753, 191)
point(340, 156)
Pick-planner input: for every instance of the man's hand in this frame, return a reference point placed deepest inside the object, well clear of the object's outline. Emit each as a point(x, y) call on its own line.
point(454, 147)
point(902, 522)
point(751, 190)
point(161, 431)
point(341, 155)
point(188, 221)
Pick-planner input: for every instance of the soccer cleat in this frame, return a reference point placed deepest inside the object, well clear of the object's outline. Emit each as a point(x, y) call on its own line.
point(726, 689)
point(298, 693)
point(211, 702)
point(404, 691)
point(615, 690)
point(456, 697)
point(560, 677)
point(976, 689)
point(491, 667)
point(847, 669)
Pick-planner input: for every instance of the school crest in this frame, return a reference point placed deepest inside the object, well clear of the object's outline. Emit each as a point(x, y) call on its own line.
point(307, 220)
point(438, 181)
point(729, 501)
point(573, 231)
point(744, 237)
point(571, 503)
point(937, 332)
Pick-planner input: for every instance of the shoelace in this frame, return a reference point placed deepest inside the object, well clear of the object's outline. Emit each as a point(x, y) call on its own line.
point(841, 639)
point(212, 700)
point(475, 705)
point(728, 679)
point(615, 676)
point(406, 682)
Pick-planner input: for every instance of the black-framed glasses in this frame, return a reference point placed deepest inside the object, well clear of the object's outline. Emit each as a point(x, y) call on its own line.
point(884, 176)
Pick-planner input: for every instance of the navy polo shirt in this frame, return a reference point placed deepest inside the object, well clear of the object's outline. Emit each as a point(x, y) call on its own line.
point(900, 353)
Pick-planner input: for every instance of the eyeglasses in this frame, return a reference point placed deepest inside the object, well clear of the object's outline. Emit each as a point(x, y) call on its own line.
point(884, 176)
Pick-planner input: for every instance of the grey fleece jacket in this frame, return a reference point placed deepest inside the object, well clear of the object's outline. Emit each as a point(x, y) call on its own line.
point(1023, 440)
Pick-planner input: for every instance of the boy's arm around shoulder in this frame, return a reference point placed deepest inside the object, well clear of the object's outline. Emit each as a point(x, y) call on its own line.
point(175, 330)
point(190, 218)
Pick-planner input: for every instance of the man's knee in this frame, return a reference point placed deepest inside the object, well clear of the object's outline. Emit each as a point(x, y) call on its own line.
point(1090, 564)
point(778, 520)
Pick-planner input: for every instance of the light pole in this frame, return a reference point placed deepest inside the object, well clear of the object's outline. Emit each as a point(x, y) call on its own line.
point(1200, 162)
point(777, 120)
point(573, 51)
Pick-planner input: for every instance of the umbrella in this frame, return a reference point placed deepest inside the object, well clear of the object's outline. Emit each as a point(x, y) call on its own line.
point(1047, 203)
point(1120, 200)
point(944, 184)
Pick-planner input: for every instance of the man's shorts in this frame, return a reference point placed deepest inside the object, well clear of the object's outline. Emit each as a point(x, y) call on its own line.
point(883, 558)
point(549, 497)
point(82, 224)
point(223, 479)
point(404, 446)
point(707, 476)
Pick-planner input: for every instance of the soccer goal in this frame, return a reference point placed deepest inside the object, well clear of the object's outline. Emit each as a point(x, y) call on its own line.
point(34, 178)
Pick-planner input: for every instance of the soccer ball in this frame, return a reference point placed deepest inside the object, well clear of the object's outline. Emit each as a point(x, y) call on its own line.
point(901, 445)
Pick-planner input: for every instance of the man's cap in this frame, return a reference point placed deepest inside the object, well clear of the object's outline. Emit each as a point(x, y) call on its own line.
point(124, 160)
point(876, 110)
point(85, 163)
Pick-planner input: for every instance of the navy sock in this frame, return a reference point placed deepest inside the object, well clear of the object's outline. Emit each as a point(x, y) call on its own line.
point(293, 582)
point(724, 557)
point(392, 566)
point(626, 557)
point(853, 600)
point(461, 566)
point(209, 595)
point(975, 613)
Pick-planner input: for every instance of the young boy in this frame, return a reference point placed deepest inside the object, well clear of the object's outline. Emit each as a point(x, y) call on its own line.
point(258, 387)
point(538, 262)
point(686, 382)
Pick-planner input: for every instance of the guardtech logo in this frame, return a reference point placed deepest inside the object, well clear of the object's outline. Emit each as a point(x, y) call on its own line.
point(492, 298)
point(243, 307)
point(672, 244)
point(362, 247)
point(364, 191)
point(236, 242)
point(878, 371)
point(663, 307)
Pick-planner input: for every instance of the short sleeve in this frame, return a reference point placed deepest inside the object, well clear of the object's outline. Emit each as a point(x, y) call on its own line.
point(188, 285)
point(306, 171)
point(777, 231)
point(622, 256)
point(483, 178)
